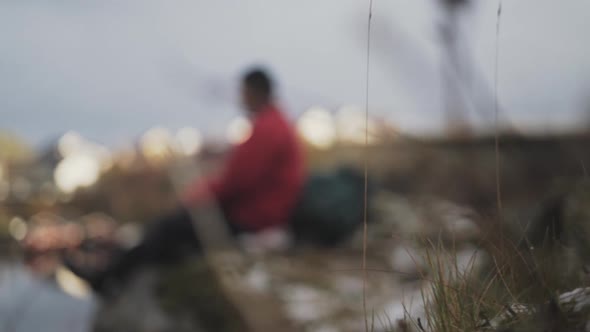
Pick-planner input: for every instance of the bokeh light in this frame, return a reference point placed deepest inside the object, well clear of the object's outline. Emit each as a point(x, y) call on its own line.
point(156, 144)
point(18, 228)
point(76, 171)
point(352, 125)
point(71, 284)
point(71, 142)
point(239, 130)
point(189, 141)
point(317, 127)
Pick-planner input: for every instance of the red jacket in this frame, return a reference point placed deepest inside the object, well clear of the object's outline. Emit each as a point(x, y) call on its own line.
point(263, 177)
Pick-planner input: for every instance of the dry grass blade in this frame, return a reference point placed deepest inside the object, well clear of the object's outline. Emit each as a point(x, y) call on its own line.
point(366, 166)
point(496, 112)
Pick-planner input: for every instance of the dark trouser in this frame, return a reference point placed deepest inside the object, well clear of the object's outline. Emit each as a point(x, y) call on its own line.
point(167, 240)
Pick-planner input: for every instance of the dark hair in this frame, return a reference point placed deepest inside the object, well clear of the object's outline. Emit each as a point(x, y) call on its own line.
point(259, 81)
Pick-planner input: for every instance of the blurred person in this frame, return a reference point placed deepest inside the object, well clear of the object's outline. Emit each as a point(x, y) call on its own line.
point(257, 190)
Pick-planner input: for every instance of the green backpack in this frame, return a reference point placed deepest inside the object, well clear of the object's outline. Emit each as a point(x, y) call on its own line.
point(331, 207)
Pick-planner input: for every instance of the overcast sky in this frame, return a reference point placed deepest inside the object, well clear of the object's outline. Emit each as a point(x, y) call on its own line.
point(111, 69)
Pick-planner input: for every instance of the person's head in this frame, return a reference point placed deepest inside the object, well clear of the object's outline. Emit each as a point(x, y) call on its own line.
point(257, 89)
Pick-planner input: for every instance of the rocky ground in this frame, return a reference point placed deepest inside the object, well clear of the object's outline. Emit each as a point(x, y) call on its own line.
point(317, 289)
point(413, 245)
point(438, 202)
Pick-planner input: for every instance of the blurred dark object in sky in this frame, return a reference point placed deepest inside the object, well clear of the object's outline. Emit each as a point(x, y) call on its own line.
point(465, 90)
point(452, 3)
